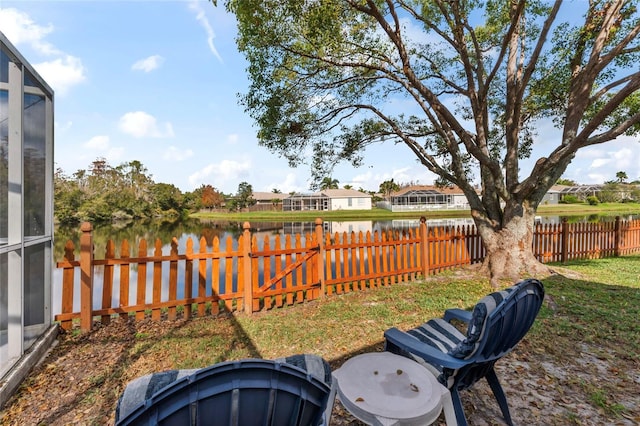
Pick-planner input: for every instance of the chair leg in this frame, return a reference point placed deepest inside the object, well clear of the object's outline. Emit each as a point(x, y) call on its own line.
point(457, 406)
point(492, 378)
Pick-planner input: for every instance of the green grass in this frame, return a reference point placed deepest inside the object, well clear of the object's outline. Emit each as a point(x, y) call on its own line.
point(591, 314)
point(383, 214)
point(337, 215)
point(601, 308)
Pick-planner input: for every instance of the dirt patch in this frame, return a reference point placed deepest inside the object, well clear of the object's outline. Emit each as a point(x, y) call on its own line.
point(547, 382)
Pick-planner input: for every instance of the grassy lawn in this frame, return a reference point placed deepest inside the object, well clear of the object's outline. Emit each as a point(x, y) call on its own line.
point(579, 364)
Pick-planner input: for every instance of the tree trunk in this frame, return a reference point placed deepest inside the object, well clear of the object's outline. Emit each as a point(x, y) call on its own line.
point(510, 248)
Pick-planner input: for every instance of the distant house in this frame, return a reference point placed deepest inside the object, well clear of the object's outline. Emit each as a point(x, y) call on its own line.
point(609, 192)
point(426, 197)
point(581, 191)
point(267, 201)
point(328, 200)
point(553, 195)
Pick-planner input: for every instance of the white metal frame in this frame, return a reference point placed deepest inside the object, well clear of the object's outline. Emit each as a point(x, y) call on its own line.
point(19, 338)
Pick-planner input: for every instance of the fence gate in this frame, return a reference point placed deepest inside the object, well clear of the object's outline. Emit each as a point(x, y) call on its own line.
point(286, 274)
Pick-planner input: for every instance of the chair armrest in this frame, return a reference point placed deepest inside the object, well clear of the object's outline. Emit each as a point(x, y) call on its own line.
point(458, 314)
point(430, 354)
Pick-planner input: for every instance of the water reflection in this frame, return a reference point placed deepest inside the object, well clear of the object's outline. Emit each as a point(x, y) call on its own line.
point(227, 234)
point(150, 230)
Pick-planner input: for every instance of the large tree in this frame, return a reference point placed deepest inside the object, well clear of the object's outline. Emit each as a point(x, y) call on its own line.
point(462, 84)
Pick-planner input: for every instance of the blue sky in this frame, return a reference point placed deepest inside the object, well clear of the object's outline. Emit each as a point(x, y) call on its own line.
point(157, 81)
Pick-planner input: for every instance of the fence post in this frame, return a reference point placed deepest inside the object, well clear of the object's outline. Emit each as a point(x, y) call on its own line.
point(321, 257)
point(617, 236)
point(424, 237)
point(246, 265)
point(86, 277)
point(565, 240)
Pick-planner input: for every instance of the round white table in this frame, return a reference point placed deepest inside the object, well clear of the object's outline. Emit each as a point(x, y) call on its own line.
point(381, 388)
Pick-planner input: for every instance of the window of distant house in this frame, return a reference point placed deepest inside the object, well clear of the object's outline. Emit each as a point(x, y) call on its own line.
point(349, 201)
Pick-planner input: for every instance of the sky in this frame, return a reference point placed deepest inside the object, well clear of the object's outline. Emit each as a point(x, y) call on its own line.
point(158, 82)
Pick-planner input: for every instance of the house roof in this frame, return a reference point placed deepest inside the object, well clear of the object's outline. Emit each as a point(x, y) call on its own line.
point(582, 189)
point(342, 193)
point(429, 189)
point(558, 188)
point(268, 196)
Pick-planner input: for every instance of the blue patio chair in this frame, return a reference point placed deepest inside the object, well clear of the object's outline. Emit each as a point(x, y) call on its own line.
point(288, 391)
point(498, 322)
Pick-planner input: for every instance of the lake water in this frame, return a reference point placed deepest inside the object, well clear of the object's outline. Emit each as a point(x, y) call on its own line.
point(134, 231)
point(196, 229)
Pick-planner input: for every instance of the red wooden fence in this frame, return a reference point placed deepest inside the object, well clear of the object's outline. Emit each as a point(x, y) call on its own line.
point(250, 278)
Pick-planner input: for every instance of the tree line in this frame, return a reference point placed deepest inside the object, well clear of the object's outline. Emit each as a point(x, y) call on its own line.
point(106, 193)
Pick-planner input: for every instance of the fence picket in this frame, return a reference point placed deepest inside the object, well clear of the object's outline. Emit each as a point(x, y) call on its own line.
point(338, 263)
point(188, 277)
point(173, 277)
point(377, 254)
point(202, 276)
point(255, 276)
point(369, 257)
point(68, 278)
point(142, 278)
point(107, 283)
point(157, 280)
point(124, 278)
point(228, 269)
point(215, 277)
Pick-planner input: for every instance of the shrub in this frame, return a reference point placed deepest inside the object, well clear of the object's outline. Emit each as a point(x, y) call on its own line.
point(593, 200)
point(570, 199)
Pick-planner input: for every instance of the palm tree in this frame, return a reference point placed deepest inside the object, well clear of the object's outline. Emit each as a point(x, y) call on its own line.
point(387, 187)
point(329, 183)
point(622, 177)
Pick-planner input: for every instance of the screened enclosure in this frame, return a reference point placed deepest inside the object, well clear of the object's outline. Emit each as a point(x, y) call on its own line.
point(26, 205)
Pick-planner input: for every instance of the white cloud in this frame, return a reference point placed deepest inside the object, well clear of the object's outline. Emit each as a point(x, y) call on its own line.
point(590, 152)
point(63, 127)
point(139, 124)
point(621, 159)
point(233, 138)
point(19, 28)
point(625, 158)
point(218, 174)
point(99, 143)
point(201, 17)
point(175, 154)
point(595, 178)
point(600, 162)
point(289, 184)
point(101, 146)
point(148, 64)
point(60, 73)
